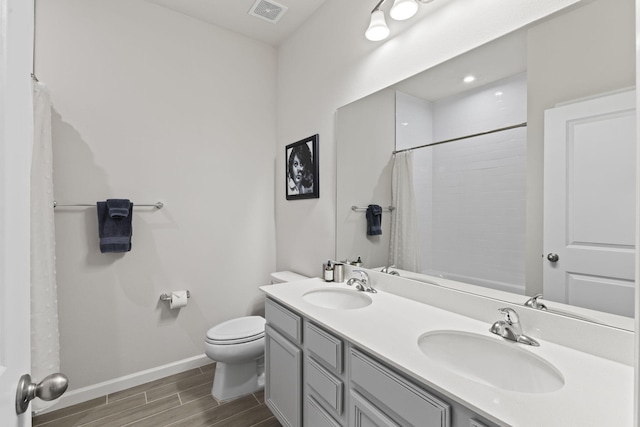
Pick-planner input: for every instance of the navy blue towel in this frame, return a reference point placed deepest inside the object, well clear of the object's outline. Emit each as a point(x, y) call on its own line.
point(114, 225)
point(374, 220)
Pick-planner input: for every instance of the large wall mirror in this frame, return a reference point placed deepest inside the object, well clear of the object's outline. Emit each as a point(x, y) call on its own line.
point(517, 182)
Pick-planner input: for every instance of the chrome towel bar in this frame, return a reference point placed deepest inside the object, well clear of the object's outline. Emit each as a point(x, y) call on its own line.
point(360, 209)
point(157, 205)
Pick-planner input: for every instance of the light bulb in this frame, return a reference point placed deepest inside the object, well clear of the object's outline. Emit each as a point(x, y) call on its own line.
point(403, 9)
point(378, 29)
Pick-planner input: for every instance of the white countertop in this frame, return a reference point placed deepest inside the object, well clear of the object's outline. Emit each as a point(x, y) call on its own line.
point(597, 392)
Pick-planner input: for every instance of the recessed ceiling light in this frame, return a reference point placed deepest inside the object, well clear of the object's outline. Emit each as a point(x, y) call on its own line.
point(470, 78)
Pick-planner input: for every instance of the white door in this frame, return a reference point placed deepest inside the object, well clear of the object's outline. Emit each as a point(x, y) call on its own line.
point(15, 147)
point(589, 203)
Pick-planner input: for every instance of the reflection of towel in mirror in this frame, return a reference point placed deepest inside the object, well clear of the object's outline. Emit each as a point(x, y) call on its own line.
point(114, 225)
point(118, 208)
point(374, 220)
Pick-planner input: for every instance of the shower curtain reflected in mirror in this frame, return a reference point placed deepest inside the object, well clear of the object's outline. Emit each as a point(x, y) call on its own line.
point(403, 244)
point(45, 343)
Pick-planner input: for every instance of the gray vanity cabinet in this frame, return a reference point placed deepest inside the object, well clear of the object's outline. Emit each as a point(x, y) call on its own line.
point(325, 381)
point(283, 364)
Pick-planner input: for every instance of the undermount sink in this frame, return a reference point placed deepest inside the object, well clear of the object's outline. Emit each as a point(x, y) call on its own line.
point(491, 361)
point(342, 299)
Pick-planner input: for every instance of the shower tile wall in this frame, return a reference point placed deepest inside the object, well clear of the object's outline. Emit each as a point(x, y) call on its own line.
point(470, 194)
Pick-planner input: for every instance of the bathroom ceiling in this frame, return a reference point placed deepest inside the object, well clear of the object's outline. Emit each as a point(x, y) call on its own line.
point(233, 15)
point(497, 60)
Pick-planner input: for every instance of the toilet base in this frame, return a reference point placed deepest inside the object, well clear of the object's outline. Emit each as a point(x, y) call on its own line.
point(233, 380)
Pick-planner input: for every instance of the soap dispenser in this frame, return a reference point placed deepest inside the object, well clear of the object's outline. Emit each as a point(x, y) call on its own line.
point(328, 272)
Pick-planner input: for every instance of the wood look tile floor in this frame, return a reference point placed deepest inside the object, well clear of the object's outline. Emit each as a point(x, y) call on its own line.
point(181, 400)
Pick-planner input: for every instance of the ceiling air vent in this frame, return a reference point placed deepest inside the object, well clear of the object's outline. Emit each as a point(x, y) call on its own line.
point(267, 10)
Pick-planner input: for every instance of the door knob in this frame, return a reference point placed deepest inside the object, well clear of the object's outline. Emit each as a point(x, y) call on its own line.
point(553, 257)
point(50, 388)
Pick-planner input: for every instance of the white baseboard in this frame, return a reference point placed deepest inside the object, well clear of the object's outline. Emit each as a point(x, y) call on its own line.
point(84, 394)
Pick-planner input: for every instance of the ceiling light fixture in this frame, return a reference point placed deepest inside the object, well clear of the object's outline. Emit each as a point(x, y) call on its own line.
point(400, 11)
point(403, 9)
point(378, 29)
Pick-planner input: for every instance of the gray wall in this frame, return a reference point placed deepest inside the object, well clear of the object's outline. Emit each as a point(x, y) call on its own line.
point(364, 161)
point(152, 105)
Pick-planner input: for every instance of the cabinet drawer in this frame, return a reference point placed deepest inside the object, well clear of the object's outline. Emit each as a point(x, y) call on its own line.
point(364, 413)
point(324, 346)
point(316, 416)
point(400, 398)
point(284, 320)
point(326, 385)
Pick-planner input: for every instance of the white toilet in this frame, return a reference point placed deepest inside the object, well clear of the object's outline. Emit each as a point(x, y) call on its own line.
point(237, 346)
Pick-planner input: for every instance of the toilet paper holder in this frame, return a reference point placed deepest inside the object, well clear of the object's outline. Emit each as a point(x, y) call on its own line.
point(167, 297)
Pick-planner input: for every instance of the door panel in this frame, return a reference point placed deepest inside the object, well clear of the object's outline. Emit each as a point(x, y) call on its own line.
point(613, 295)
point(589, 203)
point(16, 125)
point(600, 174)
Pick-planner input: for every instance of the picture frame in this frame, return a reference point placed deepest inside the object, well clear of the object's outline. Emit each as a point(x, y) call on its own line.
point(301, 169)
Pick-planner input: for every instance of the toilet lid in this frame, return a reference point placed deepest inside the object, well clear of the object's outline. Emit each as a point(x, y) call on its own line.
point(242, 329)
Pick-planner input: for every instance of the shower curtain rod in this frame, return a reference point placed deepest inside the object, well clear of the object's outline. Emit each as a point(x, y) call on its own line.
point(157, 205)
point(463, 137)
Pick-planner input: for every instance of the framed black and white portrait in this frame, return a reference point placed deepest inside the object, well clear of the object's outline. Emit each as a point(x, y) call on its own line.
point(302, 169)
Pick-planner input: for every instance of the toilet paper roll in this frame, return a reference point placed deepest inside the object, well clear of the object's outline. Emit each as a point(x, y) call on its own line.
point(178, 299)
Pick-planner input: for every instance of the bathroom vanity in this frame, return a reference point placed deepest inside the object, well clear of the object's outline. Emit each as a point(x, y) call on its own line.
point(328, 382)
point(339, 357)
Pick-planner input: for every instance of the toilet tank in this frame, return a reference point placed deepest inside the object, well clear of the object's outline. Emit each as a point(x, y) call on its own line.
point(286, 276)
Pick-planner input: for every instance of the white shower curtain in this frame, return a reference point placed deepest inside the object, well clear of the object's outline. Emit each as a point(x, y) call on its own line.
point(45, 343)
point(403, 245)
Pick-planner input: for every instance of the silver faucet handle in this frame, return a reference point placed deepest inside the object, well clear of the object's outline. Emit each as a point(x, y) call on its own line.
point(388, 270)
point(363, 276)
point(510, 328)
point(510, 316)
point(358, 285)
point(534, 303)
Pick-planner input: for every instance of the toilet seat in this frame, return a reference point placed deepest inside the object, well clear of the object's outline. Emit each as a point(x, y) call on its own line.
point(237, 331)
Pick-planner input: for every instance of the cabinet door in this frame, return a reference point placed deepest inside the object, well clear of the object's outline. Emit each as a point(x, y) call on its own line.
point(364, 414)
point(283, 369)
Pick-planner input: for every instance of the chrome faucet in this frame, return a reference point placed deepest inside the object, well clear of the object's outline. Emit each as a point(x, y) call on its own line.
point(388, 271)
point(510, 328)
point(534, 303)
point(362, 283)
